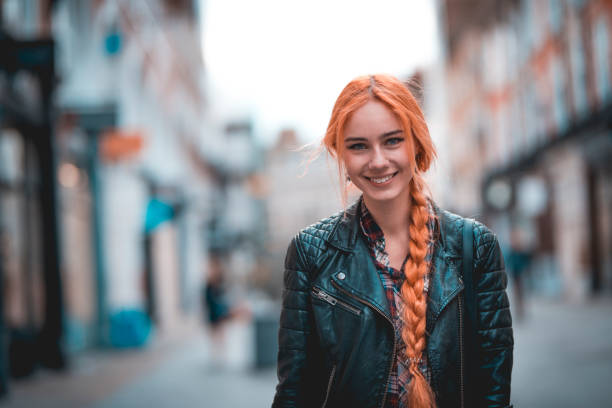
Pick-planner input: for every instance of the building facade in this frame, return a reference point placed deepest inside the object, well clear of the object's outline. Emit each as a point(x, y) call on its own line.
point(528, 108)
point(108, 171)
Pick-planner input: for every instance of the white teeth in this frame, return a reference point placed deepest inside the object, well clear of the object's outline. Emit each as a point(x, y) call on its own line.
point(381, 180)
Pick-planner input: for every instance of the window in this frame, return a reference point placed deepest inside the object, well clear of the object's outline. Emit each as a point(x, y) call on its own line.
point(577, 59)
point(560, 93)
point(602, 58)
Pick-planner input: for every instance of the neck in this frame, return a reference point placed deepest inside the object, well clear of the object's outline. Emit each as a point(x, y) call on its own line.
point(393, 217)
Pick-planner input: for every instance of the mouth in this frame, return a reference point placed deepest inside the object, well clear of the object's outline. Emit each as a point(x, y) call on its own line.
point(381, 180)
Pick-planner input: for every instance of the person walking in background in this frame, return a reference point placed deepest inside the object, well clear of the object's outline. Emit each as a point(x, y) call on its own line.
point(378, 308)
point(518, 262)
point(217, 307)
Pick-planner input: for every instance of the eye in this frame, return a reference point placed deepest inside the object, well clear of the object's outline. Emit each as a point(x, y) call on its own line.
point(394, 141)
point(357, 146)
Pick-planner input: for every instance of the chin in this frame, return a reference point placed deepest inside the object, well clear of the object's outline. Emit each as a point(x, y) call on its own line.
point(382, 196)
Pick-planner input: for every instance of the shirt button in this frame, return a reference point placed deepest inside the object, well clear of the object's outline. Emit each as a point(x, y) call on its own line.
point(341, 276)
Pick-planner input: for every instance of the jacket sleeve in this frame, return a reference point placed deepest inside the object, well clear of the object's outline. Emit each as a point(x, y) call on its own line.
point(494, 321)
point(299, 355)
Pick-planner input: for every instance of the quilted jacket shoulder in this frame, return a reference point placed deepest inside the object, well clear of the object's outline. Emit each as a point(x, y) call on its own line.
point(451, 228)
point(312, 241)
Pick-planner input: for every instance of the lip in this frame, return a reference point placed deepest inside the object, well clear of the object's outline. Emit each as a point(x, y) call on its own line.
point(388, 176)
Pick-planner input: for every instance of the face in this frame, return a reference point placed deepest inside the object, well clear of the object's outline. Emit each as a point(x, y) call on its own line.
point(376, 155)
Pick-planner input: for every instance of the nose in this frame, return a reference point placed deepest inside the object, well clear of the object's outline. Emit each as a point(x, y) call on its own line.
point(378, 159)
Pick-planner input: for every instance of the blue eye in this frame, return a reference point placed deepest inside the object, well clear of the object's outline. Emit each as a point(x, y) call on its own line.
point(357, 146)
point(394, 140)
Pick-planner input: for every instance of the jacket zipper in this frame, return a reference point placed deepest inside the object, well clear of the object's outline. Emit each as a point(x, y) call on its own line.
point(326, 297)
point(329, 384)
point(461, 347)
point(390, 322)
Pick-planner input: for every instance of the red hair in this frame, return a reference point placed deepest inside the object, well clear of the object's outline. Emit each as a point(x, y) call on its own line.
point(396, 96)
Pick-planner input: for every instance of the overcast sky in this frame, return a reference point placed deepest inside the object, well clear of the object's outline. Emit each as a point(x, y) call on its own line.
point(283, 62)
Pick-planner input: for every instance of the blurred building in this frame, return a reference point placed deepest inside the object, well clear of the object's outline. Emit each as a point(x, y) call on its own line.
point(132, 123)
point(111, 174)
point(302, 188)
point(527, 125)
point(31, 302)
point(237, 225)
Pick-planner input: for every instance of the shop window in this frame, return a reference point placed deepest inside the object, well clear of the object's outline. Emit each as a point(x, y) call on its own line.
point(11, 156)
point(20, 228)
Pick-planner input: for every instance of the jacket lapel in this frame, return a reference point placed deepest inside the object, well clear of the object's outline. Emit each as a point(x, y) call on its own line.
point(358, 275)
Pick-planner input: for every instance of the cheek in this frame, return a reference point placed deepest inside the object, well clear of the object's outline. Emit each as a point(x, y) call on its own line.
point(352, 165)
point(405, 159)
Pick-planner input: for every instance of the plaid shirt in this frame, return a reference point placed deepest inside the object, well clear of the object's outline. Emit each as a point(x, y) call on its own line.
point(392, 280)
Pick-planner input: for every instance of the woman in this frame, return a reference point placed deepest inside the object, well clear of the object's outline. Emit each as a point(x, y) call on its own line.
point(373, 307)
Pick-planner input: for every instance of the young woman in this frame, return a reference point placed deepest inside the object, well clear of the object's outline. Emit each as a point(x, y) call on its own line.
point(374, 302)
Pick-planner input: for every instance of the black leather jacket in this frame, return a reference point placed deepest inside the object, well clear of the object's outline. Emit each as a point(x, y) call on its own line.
point(336, 338)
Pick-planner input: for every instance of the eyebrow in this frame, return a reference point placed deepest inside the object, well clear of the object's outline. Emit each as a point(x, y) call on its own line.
point(382, 136)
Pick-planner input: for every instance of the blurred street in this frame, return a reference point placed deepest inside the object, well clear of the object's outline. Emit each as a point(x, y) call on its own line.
point(172, 372)
point(563, 355)
point(157, 157)
point(553, 367)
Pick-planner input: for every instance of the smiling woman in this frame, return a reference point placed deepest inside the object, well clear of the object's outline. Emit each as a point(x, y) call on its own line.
point(374, 313)
point(377, 156)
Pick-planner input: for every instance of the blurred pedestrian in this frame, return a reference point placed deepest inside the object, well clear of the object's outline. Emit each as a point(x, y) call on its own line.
point(215, 301)
point(217, 307)
point(378, 309)
point(518, 262)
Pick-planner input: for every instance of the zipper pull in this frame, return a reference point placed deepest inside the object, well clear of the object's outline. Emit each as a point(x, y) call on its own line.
point(324, 296)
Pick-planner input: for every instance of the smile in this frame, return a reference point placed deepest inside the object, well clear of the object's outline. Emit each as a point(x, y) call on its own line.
point(381, 180)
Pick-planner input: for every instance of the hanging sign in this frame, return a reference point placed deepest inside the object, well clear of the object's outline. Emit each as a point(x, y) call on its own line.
point(120, 144)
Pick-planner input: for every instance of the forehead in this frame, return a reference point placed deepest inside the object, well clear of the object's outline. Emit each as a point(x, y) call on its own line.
point(371, 120)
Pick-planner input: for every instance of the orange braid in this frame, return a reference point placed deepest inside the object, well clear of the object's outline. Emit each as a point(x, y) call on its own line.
point(415, 302)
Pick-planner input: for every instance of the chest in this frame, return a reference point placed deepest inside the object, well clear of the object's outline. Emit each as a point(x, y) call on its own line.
point(397, 250)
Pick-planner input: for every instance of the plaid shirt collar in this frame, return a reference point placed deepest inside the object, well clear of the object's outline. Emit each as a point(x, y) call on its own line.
point(376, 241)
point(376, 238)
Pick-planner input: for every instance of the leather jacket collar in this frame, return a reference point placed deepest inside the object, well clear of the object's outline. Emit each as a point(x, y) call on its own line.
point(445, 280)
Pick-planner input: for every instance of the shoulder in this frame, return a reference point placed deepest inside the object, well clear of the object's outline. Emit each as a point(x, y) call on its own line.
point(451, 230)
point(312, 240)
point(485, 242)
